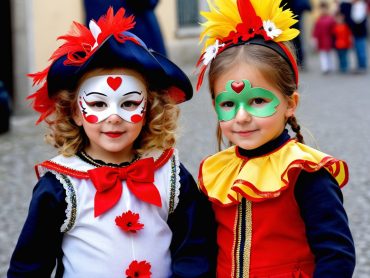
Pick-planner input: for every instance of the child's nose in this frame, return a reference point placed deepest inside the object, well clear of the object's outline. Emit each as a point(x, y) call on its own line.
point(242, 115)
point(114, 118)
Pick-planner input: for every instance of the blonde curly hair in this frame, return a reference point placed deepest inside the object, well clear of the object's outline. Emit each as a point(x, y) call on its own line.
point(158, 132)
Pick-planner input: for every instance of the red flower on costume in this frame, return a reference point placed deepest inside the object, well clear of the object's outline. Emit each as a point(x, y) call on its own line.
point(129, 222)
point(138, 269)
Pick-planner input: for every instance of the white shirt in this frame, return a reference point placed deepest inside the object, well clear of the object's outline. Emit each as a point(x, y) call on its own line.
point(96, 246)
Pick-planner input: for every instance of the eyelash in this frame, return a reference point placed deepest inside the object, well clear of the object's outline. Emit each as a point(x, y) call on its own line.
point(254, 101)
point(97, 104)
point(102, 104)
point(258, 101)
point(130, 103)
point(227, 104)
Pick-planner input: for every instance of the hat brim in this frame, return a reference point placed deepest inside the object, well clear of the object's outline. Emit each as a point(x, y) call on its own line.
point(161, 73)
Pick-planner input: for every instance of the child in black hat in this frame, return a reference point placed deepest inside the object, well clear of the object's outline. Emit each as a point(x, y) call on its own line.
point(116, 201)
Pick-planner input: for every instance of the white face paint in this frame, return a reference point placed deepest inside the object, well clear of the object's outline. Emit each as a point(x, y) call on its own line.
point(105, 95)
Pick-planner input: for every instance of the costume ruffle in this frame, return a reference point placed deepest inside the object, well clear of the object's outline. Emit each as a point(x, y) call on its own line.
point(226, 177)
point(69, 165)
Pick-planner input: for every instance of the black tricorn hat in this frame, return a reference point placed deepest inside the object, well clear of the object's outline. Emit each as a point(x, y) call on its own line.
point(107, 44)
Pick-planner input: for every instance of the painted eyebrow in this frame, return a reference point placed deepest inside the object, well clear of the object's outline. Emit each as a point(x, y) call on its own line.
point(96, 93)
point(133, 92)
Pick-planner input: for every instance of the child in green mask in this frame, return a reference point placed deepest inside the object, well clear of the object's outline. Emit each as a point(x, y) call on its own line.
point(277, 201)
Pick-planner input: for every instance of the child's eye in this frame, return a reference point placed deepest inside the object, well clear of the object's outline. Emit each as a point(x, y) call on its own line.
point(97, 105)
point(130, 105)
point(258, 101)
point(227, 105)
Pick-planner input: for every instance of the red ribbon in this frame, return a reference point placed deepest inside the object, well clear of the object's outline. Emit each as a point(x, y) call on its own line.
point(139, 177)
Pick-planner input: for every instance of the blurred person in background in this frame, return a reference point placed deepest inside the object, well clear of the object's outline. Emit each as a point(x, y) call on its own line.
point(355, 13)
point(5, 108)
point(342, 41)
point(299, 7)
point(359, 30)
point(323, 37)
point(147, 26)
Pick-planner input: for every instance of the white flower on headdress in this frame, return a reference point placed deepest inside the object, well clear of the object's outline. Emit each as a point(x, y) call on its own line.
point(95, 31)
point(271, 29)
point(211, 52)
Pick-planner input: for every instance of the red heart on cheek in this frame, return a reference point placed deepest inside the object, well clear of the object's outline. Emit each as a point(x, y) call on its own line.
point(114, 82)
point(237, 86)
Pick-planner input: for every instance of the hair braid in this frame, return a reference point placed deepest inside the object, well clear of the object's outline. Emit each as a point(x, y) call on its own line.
point(292, 121)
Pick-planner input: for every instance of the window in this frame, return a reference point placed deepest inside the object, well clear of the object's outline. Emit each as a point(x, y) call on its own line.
point(189, 17)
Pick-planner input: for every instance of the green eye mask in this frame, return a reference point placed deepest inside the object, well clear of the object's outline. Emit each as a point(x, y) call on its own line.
point(256, 101)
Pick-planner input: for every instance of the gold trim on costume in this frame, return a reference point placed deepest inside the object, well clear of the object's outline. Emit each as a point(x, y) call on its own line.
point(248, 238)
point(244, 255)
point(227, 178)
point(236, 260)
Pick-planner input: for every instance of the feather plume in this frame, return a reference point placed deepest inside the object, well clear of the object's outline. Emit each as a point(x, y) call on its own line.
point(282, 19)
point(114, 24)
point(225, 15)
point(42, 103)
point(222, 18)
point(232, 21)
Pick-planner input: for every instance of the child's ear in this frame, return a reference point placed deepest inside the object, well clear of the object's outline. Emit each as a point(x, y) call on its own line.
point(292, 104)
point(77, 117)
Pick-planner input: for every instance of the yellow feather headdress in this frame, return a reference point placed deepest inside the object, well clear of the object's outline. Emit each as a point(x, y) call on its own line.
point(231, 22)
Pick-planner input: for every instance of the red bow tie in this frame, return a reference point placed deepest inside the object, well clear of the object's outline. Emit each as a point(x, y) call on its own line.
point(139, 177)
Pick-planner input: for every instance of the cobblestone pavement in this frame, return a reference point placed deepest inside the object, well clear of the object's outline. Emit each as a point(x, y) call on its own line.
point(334, 113)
